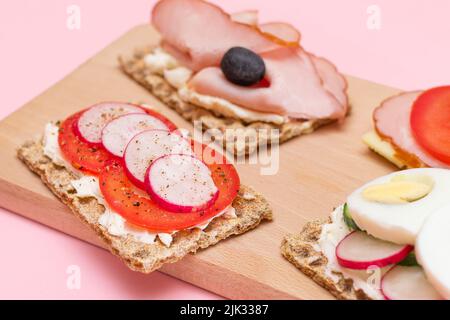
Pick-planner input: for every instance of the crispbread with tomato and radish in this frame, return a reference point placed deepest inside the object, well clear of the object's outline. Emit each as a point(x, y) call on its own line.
point(229, 71)
point(150, 192)
point(411, 129)
point(383, 243)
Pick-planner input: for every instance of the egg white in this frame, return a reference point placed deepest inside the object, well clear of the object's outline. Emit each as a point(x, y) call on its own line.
point(432, 256)
point(399, 223)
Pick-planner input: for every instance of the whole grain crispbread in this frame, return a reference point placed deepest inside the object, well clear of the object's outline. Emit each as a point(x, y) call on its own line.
point(139, 256)
point(299, 250)
point(137, 70)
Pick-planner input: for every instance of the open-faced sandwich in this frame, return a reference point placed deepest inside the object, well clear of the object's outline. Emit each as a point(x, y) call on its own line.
point(388, 241)
point(229, 72)
point(412, 129)
point(152, 194)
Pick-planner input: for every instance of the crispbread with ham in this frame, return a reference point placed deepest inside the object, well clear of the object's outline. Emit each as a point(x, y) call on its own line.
point(136, 68)
point(296, 89)
point(392, 137)
point(299, 92)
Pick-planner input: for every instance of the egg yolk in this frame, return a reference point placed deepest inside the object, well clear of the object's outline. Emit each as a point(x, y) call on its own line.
point(400, 189)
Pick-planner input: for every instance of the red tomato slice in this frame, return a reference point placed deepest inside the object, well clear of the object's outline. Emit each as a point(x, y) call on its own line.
point(83, 156)
point(138, 209)
point(430, 122)
point(87, 157)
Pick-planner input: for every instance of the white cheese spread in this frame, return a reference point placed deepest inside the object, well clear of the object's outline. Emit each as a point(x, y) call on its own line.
point(159, 60)
point(228, 109)
point(332, 234)
point(52, 151)
point(88, 187)
point(177, 77)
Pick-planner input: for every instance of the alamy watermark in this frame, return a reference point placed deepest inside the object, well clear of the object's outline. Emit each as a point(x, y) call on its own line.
point(73, 21)
point(374, 17)
point(73, 281)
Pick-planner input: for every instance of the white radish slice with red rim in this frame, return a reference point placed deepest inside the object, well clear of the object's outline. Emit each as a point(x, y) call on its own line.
point(117, 133)
point(181, 183)
point(407, 283)
point(91, 123)
point(148, 146)
point(359, 251)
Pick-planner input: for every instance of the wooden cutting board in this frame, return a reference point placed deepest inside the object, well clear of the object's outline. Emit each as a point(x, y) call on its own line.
point(316, 173)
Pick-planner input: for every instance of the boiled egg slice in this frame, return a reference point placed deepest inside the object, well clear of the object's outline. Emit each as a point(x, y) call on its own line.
point(432, 250)
point(394, 207)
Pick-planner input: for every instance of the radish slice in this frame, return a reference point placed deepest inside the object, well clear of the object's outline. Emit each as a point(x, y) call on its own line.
point(117, 133)
point(407, 283)
point(181, 183)
point(148, 146)
point(360, 251)
point(91, 123)
point(281, 30)
point(249, 17)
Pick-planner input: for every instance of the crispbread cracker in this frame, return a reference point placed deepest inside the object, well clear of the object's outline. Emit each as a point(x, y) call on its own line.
point(299, 250)
point(137, 255)
point(136, 69)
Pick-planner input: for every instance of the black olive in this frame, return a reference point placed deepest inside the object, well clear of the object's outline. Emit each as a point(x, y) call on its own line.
point(242, 66)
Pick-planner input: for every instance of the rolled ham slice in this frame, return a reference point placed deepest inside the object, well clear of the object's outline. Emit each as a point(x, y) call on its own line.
point(198, 33)
point(296, 89)
point(391, 120)
point(332, 80)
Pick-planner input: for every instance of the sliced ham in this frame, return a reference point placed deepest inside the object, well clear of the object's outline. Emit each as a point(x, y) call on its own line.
point(332, 80)
point(276, 31)
point(249, 17)
point(295, 90)
point(392, 122)
point(281, 30)
point(199, 33)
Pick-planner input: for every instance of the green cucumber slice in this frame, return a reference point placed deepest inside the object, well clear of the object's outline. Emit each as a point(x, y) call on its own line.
point(349, 220)
point(409, 261)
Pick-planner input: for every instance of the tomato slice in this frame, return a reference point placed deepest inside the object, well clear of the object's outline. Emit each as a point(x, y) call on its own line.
point(82, 155)
point(138, 209)
point(430, 122)
point(87, 157)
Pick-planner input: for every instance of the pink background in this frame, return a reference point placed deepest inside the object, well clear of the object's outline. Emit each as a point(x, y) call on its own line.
point(410, 51)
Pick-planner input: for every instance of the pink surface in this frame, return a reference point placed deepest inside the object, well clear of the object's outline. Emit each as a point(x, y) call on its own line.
point(409, 51)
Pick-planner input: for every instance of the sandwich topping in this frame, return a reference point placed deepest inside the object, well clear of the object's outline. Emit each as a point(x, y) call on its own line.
point(152, 181)
point(415, 124)
point(243, 67)
point(253, 68)
point(178, 77)
point(374, 239)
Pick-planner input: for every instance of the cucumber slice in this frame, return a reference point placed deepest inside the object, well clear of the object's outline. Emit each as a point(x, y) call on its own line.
point(348, 219)
point(409, 261)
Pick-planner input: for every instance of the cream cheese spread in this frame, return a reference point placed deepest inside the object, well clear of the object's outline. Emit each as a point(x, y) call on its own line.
point(367, 280)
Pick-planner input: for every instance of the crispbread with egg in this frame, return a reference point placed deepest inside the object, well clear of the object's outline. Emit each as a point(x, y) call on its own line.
point(299, 249)
point(251, 208)
point(136, 68)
